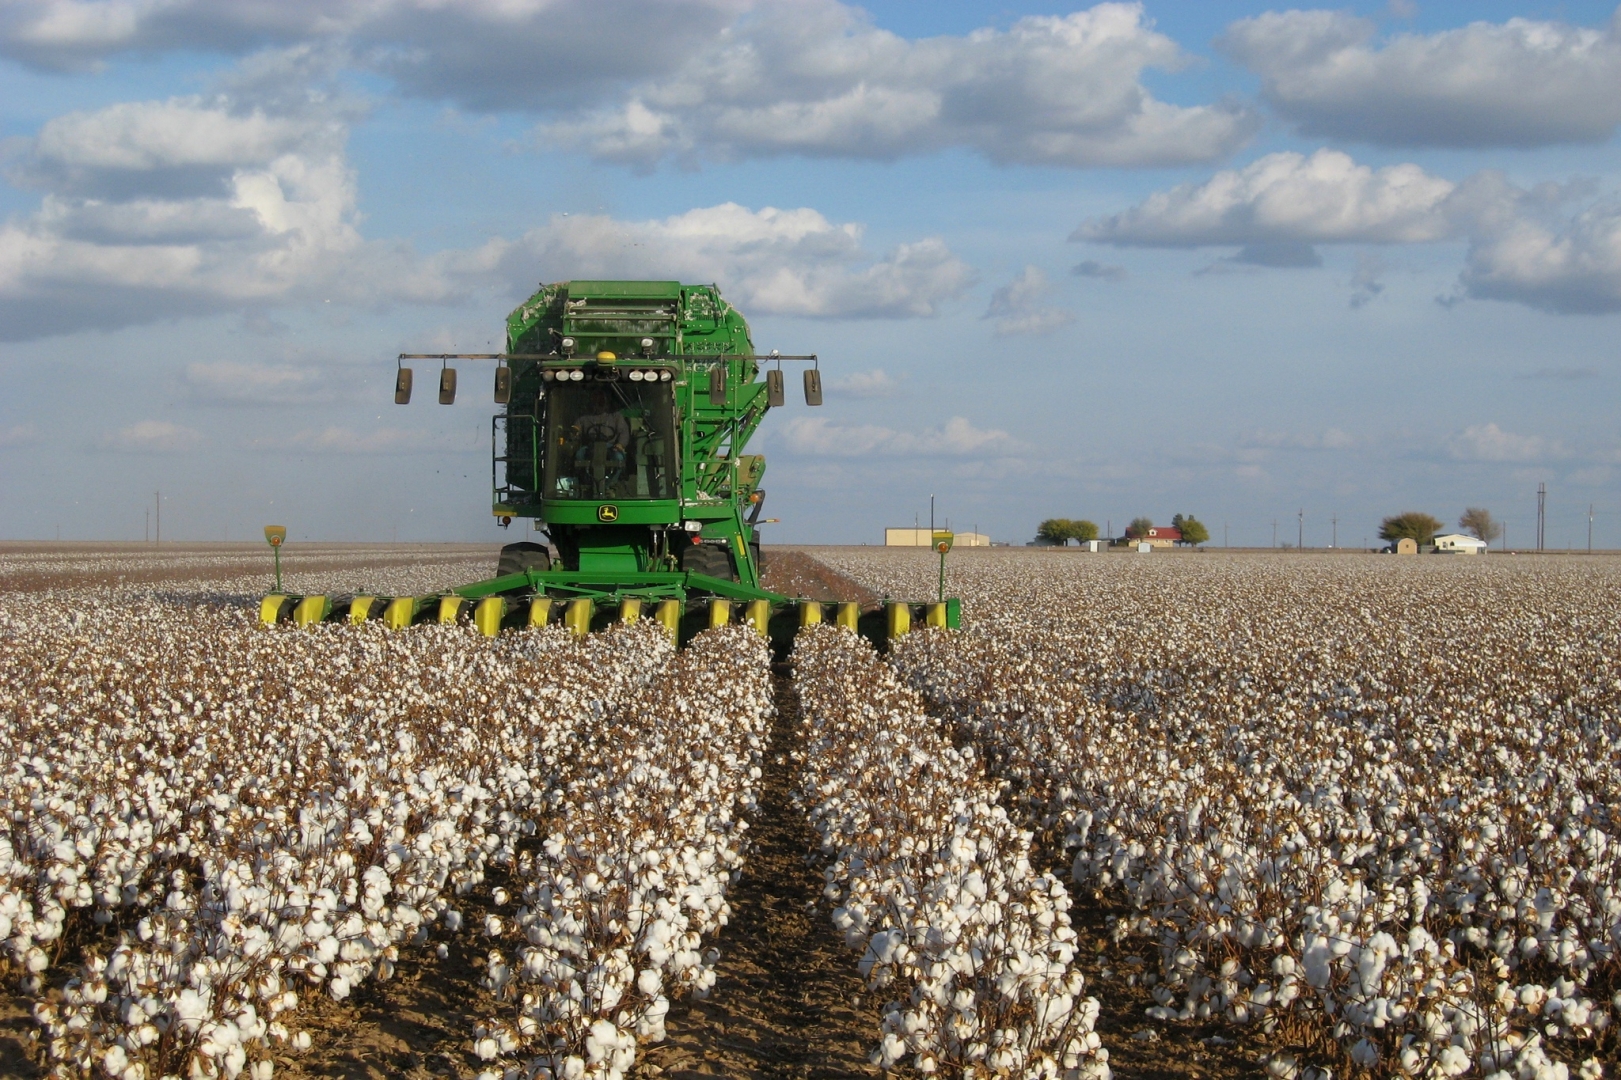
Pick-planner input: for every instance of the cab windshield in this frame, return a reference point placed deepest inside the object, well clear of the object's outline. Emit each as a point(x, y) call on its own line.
point(610, 440)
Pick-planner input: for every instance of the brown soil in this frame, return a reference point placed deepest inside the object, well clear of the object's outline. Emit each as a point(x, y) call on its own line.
point(788, 1002)
point(795, 573)
point(40, 566)
point(1138, 1046)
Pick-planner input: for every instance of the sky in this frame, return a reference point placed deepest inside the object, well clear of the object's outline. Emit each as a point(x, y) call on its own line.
point(1288, 271)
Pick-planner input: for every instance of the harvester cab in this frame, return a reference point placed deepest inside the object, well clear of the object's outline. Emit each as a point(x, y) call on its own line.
point(624, 410)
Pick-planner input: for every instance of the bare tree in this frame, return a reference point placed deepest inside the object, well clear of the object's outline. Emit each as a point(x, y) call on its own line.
point(1478, 521)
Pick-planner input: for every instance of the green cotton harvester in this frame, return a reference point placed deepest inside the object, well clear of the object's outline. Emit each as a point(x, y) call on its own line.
point(625, 407)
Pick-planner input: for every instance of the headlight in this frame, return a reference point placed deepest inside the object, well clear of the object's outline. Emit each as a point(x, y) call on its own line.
point(664, 376)
point(577, 375)
point(548, 375)
point(636, 376)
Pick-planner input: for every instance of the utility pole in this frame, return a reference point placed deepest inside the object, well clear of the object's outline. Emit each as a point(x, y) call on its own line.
point(931, 515)
point(1542, 508)
point(1274, 532)
point(1336, 520)
point(1300, 536)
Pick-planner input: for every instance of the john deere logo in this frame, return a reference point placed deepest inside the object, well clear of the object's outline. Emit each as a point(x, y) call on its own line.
point(607, 512)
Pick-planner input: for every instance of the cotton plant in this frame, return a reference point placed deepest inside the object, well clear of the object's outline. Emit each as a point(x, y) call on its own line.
point(1321, 810)
point(630, 878)
point(932, 882)
point(250, 815)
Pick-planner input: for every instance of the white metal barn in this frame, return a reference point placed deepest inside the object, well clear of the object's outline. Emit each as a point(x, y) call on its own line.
point(1459, 544)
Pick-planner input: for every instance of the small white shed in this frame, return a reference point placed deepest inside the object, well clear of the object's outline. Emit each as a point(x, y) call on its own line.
point(1459, 544)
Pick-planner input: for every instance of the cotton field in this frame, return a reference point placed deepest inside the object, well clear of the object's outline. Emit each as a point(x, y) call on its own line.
point(228, 819)
point(1361, 813)
point(1369, 806)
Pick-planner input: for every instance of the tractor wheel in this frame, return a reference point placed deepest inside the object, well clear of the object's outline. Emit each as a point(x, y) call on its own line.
point(516, 558)
point(711, 560)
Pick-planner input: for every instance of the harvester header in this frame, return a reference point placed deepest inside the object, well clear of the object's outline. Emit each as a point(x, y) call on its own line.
point(624, 408)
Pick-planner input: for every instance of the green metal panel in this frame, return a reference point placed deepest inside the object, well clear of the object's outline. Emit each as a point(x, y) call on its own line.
point(625, 512)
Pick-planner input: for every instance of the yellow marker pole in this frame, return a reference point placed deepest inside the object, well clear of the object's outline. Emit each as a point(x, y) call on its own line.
point(935, 615)
point(630, 609)
point(360, 608)
point(577, 616)
point(311, 610)
point(758, 614)
point(450, 609)
point(540, 611)
point(849, 617)
point(399, 613)
point(810, 613)
point(270, 608)
point(488, 613)
point(720, 612)
point(900, 618)
point(668, 614)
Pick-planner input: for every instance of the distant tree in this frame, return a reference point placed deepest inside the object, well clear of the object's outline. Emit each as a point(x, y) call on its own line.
point(1063, 530)
point(1139, 527)
point(1193, 530)
point(1054, 531)
point(1418, 527)
point(1478, 521)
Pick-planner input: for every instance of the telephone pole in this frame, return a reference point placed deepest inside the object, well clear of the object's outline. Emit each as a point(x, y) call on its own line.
point(1336, 520)
point(1300, 536)
point(1542, 509)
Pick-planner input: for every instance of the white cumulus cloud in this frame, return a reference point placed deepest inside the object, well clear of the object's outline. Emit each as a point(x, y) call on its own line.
point(1520, 83)
point(957, 437)
point(1018, 309)
point(818, 78)
point(865, 384)
point(640, 81)
point(1488, 442)
point(1288, 198)
point(152, 437)
point(767, 261)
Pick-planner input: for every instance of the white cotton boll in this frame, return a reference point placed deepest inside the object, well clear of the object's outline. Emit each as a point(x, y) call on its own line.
point(453, 920)
point(500, 897)
point(114, 1061)
point(492, 926)
point(338, 988)
point(262, 1070)
point(1453, 1061)
point(649, 981)
point(487, 1049)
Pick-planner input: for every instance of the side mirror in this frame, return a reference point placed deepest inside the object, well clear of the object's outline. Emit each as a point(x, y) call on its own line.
point(402, 387)
point(774, 396)
point(447, 386)
point(717, 383)
point(503, 385)
point(813, 386)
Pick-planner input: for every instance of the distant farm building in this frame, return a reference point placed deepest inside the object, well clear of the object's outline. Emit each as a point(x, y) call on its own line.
point(1407, 546)
point(1161, 536)
point(1459, 544)
point(923, 538)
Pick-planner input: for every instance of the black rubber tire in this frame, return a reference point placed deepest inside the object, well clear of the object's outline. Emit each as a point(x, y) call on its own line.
point(712, 560)
point(524, 555)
